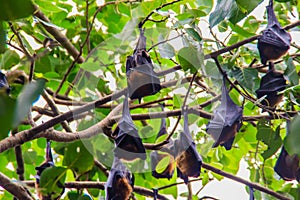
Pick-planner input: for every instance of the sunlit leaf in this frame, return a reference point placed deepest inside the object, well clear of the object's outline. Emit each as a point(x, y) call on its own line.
point(11, 10)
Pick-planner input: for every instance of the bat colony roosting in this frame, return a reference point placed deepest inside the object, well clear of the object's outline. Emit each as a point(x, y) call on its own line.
point(143, 81)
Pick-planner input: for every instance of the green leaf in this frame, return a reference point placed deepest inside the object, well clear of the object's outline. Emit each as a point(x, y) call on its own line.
point(240, 30)
point(177, 101)
point(90, 66)
point(222, 10)
point(165, 49)
point(269, 137)
point(190, 59)
point(78, 158)
point(234, 10)
point(292, 140)
point(195, 35)
point(9, 59)
point(2, 38)
point(248, 77)
point(11, 10)
point(163, 164)
point(28, 95)
point(52, 181)
point(291, 72)
point(7, 106)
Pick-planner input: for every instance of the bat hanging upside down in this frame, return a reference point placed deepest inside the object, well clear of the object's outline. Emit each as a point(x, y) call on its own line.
point(141, 78)
point(274, 41)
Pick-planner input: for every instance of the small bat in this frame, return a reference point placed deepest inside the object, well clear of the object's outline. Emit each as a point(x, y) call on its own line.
point(4, 84)
point(46, 164)
point(226, 122)
point(129, 145)
point(141, 78)
point(270, 84)
point(156, 157)
point(287, 166)
point(188, 159)
point(274, 41)
point(120, 181)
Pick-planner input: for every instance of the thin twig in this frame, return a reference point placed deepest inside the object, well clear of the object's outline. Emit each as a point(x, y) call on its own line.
point(243, 181)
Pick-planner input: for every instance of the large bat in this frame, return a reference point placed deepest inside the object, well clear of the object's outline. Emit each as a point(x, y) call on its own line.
point(188, 160)
point(274, 41)
point(129, 145)
point(226, 121)
point(156, 156)
point(39, 170)
point(270, 84)
point(141, 78)
point(287, 166)
point(4, 84)
point(120, 181)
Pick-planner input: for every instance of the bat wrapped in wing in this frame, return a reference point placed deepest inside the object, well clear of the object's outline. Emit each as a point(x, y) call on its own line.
point(188, 160)
point(129, 145)
point(274, 41)
point(168, 153)
point(119, 184)
point(226, 121)
point(270, 84)
point(4, 84)
point(141, 78)
point(287, 166)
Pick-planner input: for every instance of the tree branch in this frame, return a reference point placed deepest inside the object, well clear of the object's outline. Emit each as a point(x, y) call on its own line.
point(14, 188)
point(243, 181)
point(101, 185)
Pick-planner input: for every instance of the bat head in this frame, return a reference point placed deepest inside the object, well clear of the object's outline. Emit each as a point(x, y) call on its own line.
point(129, 145)
point(226, 120)
point(4, 84)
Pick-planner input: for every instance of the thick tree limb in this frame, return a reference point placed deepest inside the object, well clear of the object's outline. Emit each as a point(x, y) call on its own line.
point(100, 185)
point(14, 188)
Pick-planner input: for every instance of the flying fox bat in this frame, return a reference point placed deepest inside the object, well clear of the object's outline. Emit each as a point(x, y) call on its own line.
point(141, 78)
point(270, 84)
point(46, 164)
point(4, 84)
point(188, 159)
point(156, 156)
point(129, 145)
point(120, 181)
point(274, 41)
point(287, 166)
point(226, 121)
